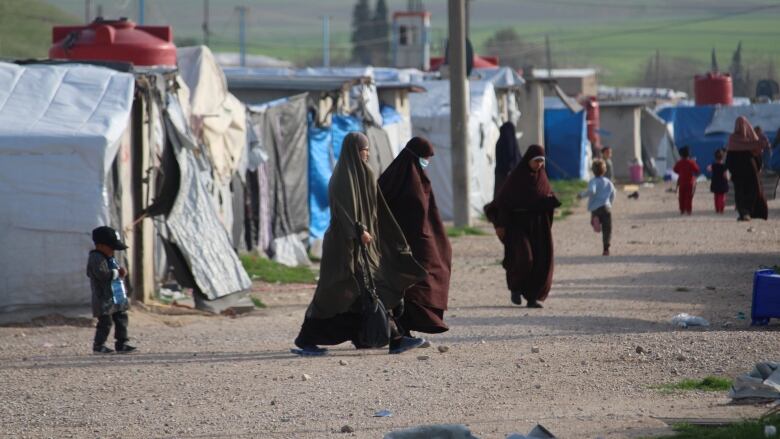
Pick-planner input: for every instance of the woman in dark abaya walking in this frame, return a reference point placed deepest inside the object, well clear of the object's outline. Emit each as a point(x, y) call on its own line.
point(743, 160)
point(359, 215)
point(408, 192)
point(507, 155)
point(522, 215)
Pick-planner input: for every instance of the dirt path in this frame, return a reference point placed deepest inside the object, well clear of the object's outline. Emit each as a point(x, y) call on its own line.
point(218, 377)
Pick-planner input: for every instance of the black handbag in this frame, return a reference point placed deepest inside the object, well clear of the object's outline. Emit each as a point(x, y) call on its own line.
point(375, 321)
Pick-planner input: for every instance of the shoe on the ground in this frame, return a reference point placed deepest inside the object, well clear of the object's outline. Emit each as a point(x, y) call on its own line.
point(744, 218)
point(404, 344)
point(309, 351)
point(124, 348)
point(425, 344)
point(517, 297)
point(535, 304)
point(605, 253)
point(102, 349)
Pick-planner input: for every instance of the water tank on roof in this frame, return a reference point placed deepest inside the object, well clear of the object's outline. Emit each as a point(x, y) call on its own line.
point(115, 40)
point(713, 88)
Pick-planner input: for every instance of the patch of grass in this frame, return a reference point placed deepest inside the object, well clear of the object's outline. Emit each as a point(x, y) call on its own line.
point(270, 271)
point(257, 302)
point(456, 232)
point(749, 429)
point(708, 384)
point(566, 191)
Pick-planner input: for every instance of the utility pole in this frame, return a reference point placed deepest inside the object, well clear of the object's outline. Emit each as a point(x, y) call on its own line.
point(657, 66)
point(459, 106)
point(242, 11)
point(325, 41)
point(206, 22)
point(87, 11)
point(141, 12)
point(548, 55)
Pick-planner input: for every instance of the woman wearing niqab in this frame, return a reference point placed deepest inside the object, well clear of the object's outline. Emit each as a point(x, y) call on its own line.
point(743, 160)
point(522, 215)
point(408, 192)
point(507, 155)
point(334, 315)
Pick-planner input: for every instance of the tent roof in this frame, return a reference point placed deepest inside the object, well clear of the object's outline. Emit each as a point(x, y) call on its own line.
point(42, 104)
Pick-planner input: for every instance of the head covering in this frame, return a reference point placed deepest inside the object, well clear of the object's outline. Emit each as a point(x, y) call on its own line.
point(354, 200)
point(744, 138)
point(420, 147)
point(524, 188)
point(108, 236)
point(507, 151)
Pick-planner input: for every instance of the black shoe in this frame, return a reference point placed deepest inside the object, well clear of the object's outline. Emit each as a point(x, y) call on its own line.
point(404, 344)
point(517, 297)
point(124, 348)
point(102, 349)
point(535, 304)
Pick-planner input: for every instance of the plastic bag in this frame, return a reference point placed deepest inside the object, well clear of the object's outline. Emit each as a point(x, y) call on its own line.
point(685, 320)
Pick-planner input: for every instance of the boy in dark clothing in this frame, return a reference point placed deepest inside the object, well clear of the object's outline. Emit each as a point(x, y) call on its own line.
point(687, 170)
point(719, 184)
point(109, 299)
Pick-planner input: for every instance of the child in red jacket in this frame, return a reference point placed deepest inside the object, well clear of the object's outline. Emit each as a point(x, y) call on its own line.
point(687, 170)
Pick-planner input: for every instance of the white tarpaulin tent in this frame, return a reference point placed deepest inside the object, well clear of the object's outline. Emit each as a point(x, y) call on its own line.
point(218, 119)
point(431, 119)
point(767, 116)
point(60, 127)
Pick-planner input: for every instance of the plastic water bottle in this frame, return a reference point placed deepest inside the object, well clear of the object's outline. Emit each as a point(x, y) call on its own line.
point(117, 286)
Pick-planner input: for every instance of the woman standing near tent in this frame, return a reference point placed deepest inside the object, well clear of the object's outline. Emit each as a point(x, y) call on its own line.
point(334, 315)
point(522, 215)
point(507, 155)
point(408, 192)
point(743, 159)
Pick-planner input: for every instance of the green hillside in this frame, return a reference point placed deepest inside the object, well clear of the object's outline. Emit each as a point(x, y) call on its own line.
point(25, 27)
point(616, 36)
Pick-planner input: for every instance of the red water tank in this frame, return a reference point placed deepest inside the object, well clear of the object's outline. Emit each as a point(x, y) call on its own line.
point(593, 120)
point(115, 40)
point(713, 88)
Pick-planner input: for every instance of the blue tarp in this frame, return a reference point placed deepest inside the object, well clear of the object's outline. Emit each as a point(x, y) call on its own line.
point(689, 126)
point(566, 144)
point(389, 115)
point(324, 150)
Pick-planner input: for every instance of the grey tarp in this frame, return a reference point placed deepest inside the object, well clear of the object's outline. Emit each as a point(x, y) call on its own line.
point(193, 224)
point(658, 151)
point(381, 154)
point(283, 138)
point(762, 383)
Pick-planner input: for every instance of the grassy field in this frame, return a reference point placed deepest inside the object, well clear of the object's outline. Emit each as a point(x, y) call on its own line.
point(616, 36)
point(25, 27)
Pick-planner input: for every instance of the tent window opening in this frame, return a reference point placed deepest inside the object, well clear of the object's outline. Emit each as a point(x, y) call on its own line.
point(403, 35)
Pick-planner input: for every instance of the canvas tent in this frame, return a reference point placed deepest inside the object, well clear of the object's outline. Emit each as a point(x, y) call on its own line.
point(218, 120)
point(659, 153)
point(689, 125)
point(767, 116)
point(60, 129)
point(82, 146)
point(431, 119)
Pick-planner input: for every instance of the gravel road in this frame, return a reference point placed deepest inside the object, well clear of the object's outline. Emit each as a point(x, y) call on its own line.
point(572, 366)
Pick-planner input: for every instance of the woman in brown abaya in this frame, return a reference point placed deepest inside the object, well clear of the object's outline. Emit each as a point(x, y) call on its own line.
point(743, 160)
point(334, 315)
point(407, 189)
point(522, 215)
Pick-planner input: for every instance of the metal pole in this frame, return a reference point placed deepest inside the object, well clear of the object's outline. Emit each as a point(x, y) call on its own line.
point(141, 13)
point(459, 113)
point(242, 33)
point(548, 55)
point(205, 22)
point(325, 41)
